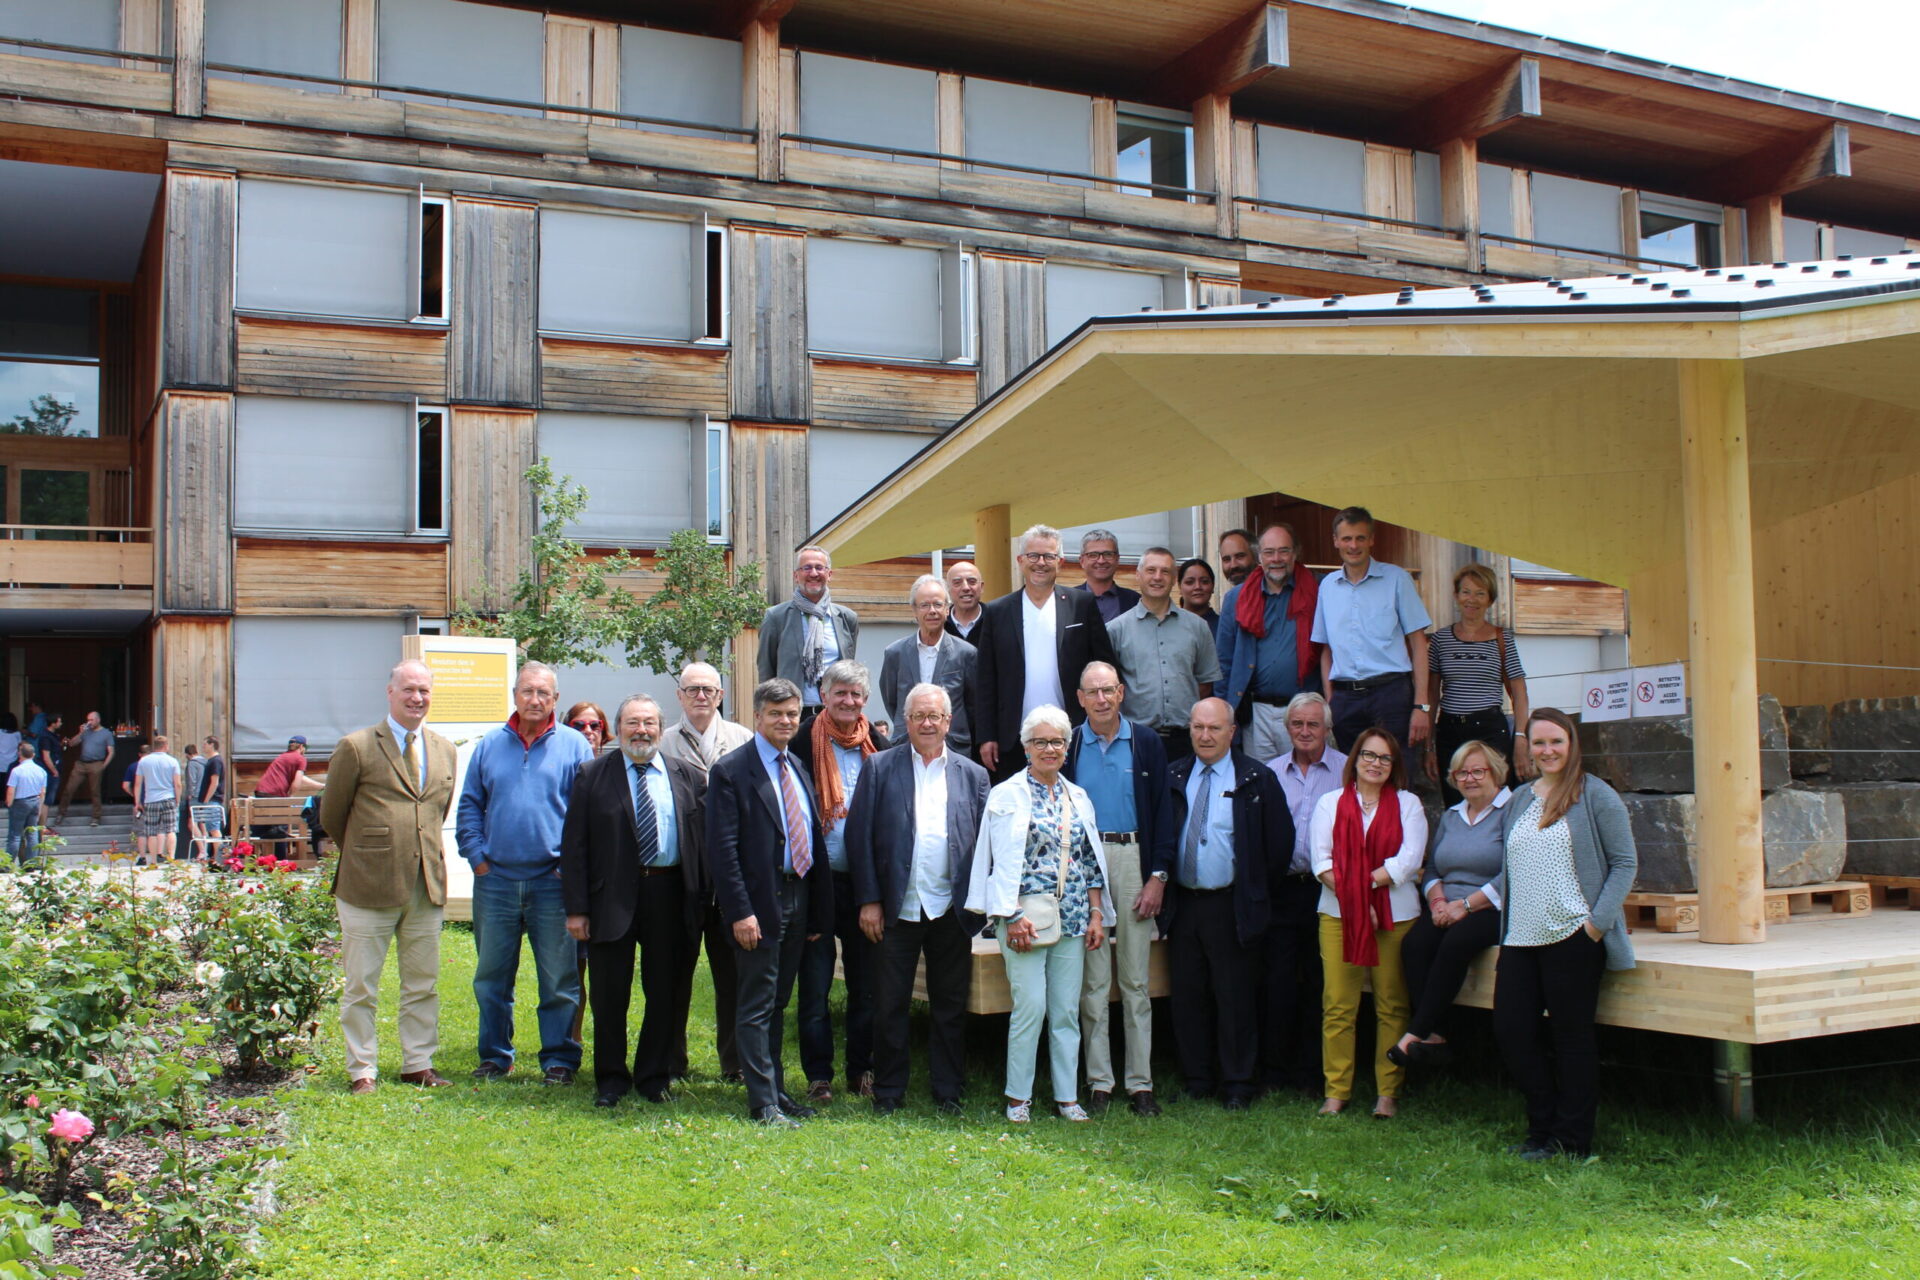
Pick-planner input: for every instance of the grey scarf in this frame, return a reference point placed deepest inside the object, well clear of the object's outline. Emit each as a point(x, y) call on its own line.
point(813, 652)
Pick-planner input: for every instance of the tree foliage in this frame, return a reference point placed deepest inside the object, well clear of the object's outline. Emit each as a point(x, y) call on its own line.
point(45, 416)
point(698, 610)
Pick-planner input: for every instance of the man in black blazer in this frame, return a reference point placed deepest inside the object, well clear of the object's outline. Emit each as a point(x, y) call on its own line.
point(1033, 645)
point(633, 872)
point(910, 838)
point(1236, 840)
point(767, 853)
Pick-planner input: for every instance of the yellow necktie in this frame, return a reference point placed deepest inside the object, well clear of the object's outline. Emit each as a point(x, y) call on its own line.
point(413, 761)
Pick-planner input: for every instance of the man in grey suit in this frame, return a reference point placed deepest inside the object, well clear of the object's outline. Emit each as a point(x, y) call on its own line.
point(910, 838)
point(801, 638)
point(932, 656)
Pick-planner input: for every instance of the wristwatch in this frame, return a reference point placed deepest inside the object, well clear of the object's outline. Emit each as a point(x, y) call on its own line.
point(1161, 876)
point(1423, 706)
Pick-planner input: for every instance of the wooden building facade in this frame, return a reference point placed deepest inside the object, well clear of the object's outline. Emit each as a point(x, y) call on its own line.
point(342, 270)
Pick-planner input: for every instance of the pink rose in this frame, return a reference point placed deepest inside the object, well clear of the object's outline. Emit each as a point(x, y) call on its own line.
point(33, 1102)
point(70, 1125)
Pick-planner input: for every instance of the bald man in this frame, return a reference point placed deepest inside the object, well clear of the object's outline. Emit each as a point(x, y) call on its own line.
point(965, 587)
point(1236, 838)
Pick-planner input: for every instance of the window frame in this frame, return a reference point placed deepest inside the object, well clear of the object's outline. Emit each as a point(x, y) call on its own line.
point(417, 527)
point(719, 460)
point(959, 273)
point(413, 256)
point(419, 263)
point(699, 306)
point(1163, 115)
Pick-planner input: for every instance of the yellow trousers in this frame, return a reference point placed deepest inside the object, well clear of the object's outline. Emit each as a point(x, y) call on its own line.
point(1340, 1009)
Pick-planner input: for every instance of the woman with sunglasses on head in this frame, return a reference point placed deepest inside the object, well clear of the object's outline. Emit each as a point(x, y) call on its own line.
point(1368, 840)
point(590, 720)
point(1570, 861)
point(1463, 907)
point(1476, 667)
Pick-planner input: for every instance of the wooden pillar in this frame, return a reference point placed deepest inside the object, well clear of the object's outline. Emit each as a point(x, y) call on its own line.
point(1013, 317)
point(993, 550)
point(1460, 185)
point(493, 341)
point(189, 57)
point(1766, 230)
point(1213, 158)
point(760, 47)
point(1718, 531)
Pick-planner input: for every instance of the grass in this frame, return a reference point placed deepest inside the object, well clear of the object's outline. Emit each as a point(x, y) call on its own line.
point(514, 1180)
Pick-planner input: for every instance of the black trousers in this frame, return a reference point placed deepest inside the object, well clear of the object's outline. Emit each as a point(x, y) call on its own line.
point(1436, 962)
point(1543, 1006)
point(1451, 732)
point(949, 955)
point(1389, 705)
point(720, 954)
point(855, 954)
point(765, 984)
point(1213, 996)
point(659, 932)
point(1178, 742)
point(1290, 986)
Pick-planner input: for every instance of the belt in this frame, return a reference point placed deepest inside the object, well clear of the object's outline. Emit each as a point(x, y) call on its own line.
point(790, 878)
point(1299, 875)
point(1371, 682)
point(659, 871)
point(1119, 837)
point(1222, 889)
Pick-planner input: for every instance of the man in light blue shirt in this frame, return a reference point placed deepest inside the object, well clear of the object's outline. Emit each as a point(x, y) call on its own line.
point(1375, 631)
point(26, 803)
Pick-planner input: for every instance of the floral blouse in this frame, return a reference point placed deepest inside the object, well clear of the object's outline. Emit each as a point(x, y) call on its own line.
point(1053, 820)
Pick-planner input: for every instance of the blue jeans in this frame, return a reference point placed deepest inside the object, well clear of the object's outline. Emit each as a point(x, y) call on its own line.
point(23, 820)
point(503, 911)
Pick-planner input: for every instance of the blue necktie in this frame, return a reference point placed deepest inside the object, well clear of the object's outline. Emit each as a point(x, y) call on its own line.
point(646, 825)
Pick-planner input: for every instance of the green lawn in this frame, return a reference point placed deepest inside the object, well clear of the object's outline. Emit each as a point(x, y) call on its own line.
point(515, 1180)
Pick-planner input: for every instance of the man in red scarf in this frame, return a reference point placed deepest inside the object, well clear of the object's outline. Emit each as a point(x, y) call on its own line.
point(833, 749)
point(1265, 641)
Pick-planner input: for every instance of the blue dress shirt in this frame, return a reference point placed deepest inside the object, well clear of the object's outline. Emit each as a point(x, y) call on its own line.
point(769, 760)
point(1366, 623)
point(1105, 772)
point(655, 775)
point(1213, 865)
point(850, 761)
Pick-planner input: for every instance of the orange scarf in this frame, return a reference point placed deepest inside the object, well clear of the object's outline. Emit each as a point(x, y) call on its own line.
point(826, 770)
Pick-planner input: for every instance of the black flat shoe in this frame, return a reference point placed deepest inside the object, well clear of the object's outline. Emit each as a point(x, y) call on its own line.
point(1400, 1057)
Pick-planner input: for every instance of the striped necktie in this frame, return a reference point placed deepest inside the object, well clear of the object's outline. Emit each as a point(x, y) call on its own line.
point(799, 851)
point(646, 824)
point(1196, 831)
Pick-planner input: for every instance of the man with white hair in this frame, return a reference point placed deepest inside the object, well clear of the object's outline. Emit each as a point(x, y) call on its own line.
point(512, 806)
point(803, 636)
point(932, 655)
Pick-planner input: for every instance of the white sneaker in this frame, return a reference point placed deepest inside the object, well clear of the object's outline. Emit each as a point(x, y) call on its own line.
point(1073, 1111)
point(1019, 1112)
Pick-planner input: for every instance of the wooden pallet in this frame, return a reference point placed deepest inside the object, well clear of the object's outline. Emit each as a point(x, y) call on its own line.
point(1680, 912)
point(1894, 891)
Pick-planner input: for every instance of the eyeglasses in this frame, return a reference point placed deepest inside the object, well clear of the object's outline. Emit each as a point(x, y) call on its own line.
point(1099, 555)
point(700, 690)
point(1047, 744)
point(928, 717)
point(1373, 757)
point(1102, 690)
point(930, 606)
point(537, 695)
point(1040, 557)
point(584, 725)
point(1472, 775)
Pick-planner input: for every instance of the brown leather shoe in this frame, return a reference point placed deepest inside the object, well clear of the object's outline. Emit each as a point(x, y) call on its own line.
point(863, 1085)
point(364, 1085)
point(428, 1079)
point(820, 1092)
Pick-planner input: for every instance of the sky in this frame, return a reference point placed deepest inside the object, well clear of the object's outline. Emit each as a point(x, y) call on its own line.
point(1827, 49)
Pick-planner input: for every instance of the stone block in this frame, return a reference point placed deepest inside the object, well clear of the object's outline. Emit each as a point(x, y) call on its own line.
point(1656, 754)
point(1804, 834)
point(1875, 740)
point(1883, 827)
point(1808, 730)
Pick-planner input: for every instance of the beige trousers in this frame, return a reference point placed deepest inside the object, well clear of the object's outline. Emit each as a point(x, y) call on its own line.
point(1122, 959)
point(365, 934)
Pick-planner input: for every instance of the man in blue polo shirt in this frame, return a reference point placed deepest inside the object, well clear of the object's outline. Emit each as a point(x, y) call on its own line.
point(1374, 628)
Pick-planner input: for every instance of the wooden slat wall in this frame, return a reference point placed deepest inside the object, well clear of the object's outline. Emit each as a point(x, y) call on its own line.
point(194, 657)
point(608, 377)
point(1215, 291)
point(769, 319)
point(291, 357)
point(494, 336)
point(117, 366)
point(857, 394)
point(491, 509)
point(1555, 607)
point(269, 575)
point(1013, 317)
point(769, 465)
point(196, 321)
point(878, 591)
point(195, 523)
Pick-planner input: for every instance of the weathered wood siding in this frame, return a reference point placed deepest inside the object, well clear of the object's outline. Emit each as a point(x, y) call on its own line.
point(769, 464)
point(605, 377)
point(1215, 291)
point(769, 318)
point(292, 357)
point(851, 393)
point(878, 591)
point(491, 511)
point(193, 660)
point(494, 336)
point(1013, 318)
point(196, 321)
point(195, 514)
point(270, 575)
point(1556, 607)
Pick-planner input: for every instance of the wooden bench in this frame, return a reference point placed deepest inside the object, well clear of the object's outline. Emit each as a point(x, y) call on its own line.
point(247, 812)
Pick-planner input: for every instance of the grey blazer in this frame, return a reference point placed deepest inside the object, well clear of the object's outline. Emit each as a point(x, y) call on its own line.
point(1604, 859)
point(783, 636)
point(952, 670)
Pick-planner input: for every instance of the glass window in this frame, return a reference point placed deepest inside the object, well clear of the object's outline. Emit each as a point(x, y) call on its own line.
point(1576, 214)
point(487, 50)
point(1312, 170)
point(670, 76)
point(45, 398)
point(49, 366)
point(1157, 147)
point(55, 497)
point(1802, 239)
point(882, 300)
point(324, 466)
point(320, 677)
point(717, 495)
point(620, 276)
point(301, 36)
point(1865, 244)
point(90, 24)
point(1679, 231)
point(638, 473)
point(1496, 199)
point(842, 464)
point(852, 100)
point(430, 471)
point(1036, 128)
point(432, 304)
point(1427, 198)
point(1077, 294)
point(313, 249)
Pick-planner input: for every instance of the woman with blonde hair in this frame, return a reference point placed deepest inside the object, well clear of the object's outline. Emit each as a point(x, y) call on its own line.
point(1476, 668)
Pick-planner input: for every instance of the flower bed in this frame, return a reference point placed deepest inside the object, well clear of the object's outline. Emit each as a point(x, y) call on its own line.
point(144, 1019)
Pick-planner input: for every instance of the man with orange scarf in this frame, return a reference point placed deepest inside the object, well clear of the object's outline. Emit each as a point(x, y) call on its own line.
point(833, 748)
point(1264, 636)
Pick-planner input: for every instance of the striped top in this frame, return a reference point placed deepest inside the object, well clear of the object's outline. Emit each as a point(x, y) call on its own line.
point(1469, 671)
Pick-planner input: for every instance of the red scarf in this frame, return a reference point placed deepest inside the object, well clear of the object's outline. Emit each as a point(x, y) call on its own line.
point(826, 769)
point(1250, 612)
point(1357, 850)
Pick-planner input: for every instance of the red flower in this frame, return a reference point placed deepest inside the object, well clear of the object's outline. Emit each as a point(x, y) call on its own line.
point(265, 860)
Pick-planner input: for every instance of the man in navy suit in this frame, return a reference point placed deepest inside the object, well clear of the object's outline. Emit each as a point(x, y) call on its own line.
point(767, 853)
point(910, 838)
point(1033, 644)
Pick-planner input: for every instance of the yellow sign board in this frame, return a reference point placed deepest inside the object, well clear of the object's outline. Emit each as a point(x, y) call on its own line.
point(469, 688)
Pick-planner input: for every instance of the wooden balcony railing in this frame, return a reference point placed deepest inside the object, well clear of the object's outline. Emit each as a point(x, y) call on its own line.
point(85, 557)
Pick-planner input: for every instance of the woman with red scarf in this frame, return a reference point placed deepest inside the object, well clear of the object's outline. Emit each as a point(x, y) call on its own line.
point(1368, 841)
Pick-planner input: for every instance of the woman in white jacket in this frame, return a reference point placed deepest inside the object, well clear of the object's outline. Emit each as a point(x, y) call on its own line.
point(1039, 875)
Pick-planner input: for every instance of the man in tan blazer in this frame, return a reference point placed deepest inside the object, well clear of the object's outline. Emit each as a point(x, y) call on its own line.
point(388, 790)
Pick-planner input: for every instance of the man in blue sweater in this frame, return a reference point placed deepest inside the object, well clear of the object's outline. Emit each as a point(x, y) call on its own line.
point(512, 806)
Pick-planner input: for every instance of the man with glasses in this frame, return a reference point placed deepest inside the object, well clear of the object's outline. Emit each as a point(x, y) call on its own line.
point(1100, 560)
point(1266, 642)
point(932, 655)
point(1290, 1005)
point(1167, 653)
point(701, 737)
point(1034, 644)
point(513, 806)
point(802, 637)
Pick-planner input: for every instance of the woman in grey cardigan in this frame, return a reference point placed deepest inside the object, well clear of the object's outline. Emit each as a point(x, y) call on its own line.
point(1570, 862)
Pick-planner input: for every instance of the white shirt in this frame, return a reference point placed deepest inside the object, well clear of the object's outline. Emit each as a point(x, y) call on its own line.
point(1403, 867)
point(1039, 634)
point(929, 883)
point(929, 654)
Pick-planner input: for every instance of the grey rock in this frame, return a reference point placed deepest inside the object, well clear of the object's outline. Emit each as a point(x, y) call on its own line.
point(1808, 730)
point(1804, 834)
point(1883, 827)
point(1656, 754)
point(1875, 740)
point(1664, 832)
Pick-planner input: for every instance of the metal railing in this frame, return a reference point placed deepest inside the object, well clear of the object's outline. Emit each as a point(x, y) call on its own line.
point(1597, 255)
point(21, 42)
point(1124, 185)
point(1349, 217)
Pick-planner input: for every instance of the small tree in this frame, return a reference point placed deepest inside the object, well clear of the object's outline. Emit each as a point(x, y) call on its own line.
point(698, 610)
point(47, 416)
